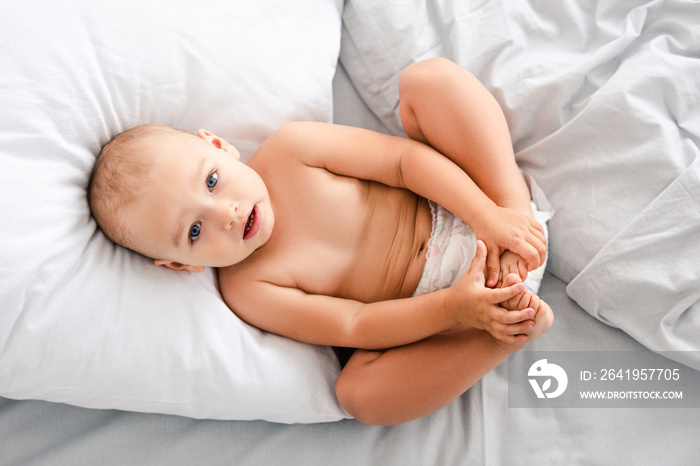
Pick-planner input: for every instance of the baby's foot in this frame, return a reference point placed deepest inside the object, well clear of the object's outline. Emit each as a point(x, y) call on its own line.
point(543, 313)
point(544, 318)
point(519, 301)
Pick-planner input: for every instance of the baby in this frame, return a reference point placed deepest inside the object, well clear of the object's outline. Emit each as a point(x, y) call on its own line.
point(325, 236)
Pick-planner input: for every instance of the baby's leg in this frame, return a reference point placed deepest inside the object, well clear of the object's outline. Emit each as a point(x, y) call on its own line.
point(411, 381)
point(445, 106)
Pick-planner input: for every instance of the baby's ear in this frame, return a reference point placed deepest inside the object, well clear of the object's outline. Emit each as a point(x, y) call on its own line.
point(218, 142)
point(179, 266)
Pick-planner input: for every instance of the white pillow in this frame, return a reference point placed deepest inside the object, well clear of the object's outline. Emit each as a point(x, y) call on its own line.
point(88, 323)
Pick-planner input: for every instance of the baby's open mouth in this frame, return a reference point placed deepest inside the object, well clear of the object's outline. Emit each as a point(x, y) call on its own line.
point(253, 223)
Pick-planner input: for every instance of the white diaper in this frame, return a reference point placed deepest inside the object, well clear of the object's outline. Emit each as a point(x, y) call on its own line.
point(452, 246)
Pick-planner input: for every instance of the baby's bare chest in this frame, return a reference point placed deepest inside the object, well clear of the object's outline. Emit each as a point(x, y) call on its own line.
point(349, 238)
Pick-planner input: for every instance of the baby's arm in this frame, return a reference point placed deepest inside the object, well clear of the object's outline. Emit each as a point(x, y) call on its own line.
point(445, 106)
point(326, 320)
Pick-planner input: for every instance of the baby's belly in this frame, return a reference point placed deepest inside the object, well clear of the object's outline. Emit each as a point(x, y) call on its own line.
point(414, 272)
point(390, 263)
point(417, 258)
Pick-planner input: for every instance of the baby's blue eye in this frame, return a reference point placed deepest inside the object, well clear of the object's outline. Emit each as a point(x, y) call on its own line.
point(194, 231)
point(211, 181)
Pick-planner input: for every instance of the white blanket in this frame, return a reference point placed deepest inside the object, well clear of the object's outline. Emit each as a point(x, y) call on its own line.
point(646, 280)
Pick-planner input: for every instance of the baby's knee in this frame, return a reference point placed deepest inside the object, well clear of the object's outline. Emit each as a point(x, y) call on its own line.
point(424, 72)
point(351, 393)
point(358, 389)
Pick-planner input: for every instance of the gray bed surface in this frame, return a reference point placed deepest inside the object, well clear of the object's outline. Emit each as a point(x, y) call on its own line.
point(478, 428)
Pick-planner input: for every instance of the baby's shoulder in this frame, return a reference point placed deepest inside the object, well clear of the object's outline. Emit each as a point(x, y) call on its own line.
point(292, 142)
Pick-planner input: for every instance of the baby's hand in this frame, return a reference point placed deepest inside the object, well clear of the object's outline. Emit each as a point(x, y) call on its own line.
point(478, 306)
point(507, 229)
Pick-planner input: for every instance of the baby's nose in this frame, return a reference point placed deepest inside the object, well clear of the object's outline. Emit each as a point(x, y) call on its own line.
point(228, 214)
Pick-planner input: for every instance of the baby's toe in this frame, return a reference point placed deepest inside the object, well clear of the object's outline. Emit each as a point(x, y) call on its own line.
point(516, 302)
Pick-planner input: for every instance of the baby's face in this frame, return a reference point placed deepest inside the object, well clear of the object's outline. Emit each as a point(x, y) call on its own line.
point(202, 206)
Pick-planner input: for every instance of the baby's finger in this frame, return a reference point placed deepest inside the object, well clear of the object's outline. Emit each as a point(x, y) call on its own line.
point(493, 267)
point(530, 253)
point(479, 260)
point(510, 339)
point(521, 328)
point(516, 317)
point(522, 270)
point(538, 230)
point(500, 295)
point(540, 243)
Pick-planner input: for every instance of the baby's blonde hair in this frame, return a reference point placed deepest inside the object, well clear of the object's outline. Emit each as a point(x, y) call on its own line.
point(118, 178)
